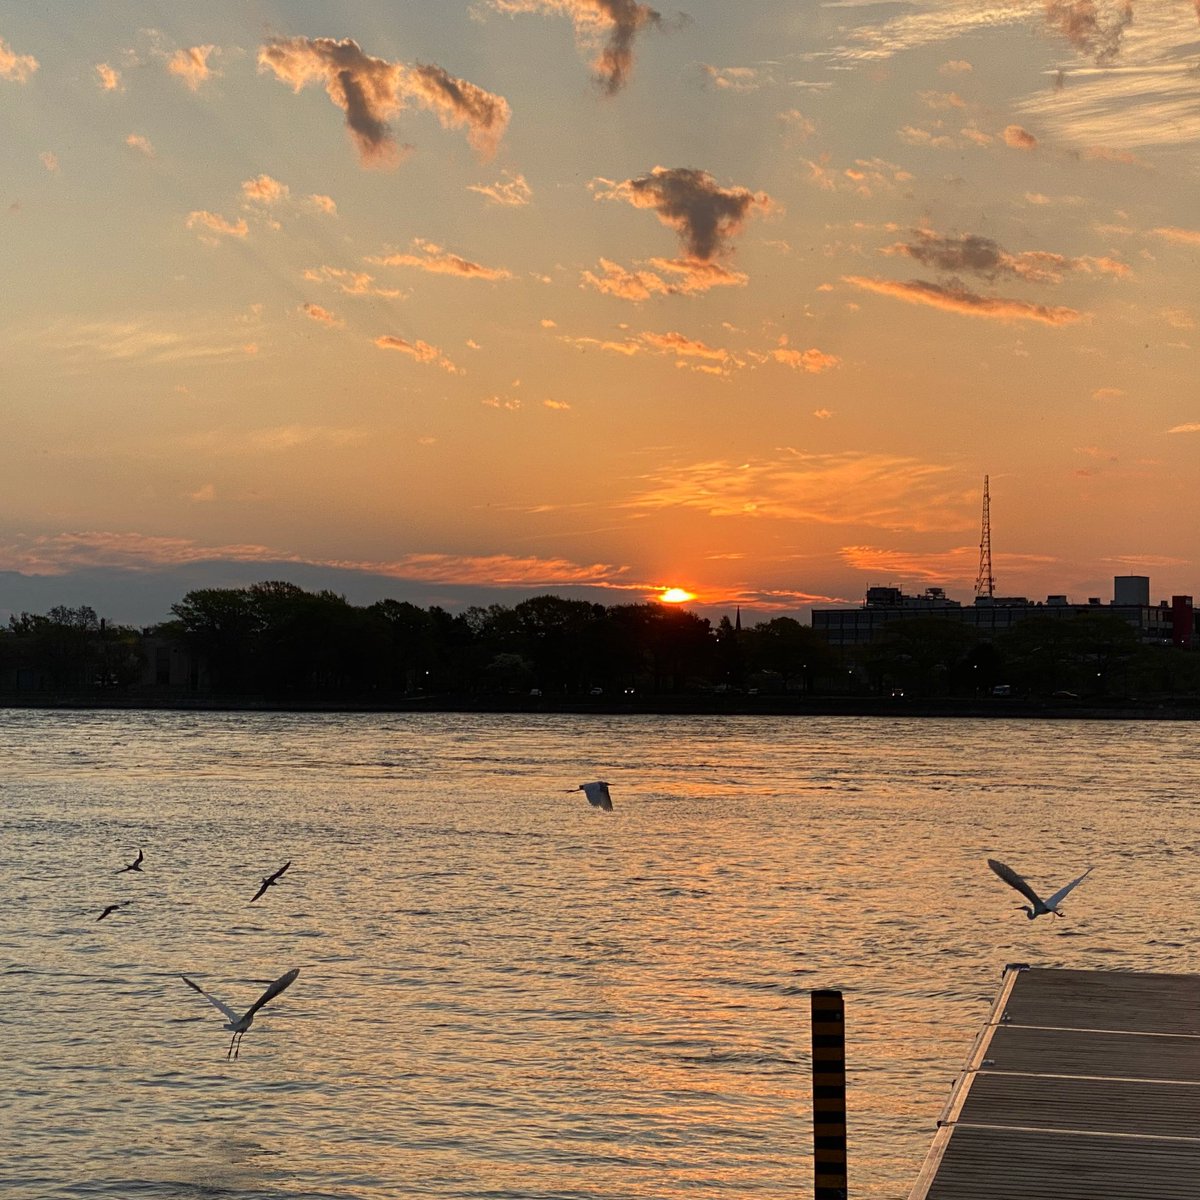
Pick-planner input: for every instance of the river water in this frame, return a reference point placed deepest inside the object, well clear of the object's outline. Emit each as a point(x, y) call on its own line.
point(505, 993)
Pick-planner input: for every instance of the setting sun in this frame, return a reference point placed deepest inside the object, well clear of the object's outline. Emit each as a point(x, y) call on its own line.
point(676, 595)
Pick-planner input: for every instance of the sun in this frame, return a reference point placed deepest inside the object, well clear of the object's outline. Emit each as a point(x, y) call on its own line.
point(675, 595)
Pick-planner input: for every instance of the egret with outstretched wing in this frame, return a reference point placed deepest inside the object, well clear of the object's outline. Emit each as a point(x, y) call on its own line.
point(596, 793)
point(136, 865)
point(1037, 906)
point(239, 1025)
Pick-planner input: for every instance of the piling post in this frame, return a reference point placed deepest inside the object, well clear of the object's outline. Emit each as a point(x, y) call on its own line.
point(829, 1095)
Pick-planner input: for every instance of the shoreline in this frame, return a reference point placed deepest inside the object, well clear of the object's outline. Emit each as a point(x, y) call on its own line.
point(1124, 709)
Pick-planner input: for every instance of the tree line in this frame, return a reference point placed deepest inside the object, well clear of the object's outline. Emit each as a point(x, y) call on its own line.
point(277, 641)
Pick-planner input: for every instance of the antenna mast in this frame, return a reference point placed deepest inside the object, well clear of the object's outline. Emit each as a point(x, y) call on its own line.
point(985, 583)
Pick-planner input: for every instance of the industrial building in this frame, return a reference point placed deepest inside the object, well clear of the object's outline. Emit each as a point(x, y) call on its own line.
point(1163, 624)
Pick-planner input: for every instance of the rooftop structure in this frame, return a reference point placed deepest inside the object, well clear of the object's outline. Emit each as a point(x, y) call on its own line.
point(1082, 1084)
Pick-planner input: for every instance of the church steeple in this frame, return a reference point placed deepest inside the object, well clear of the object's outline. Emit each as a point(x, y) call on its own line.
point(737, 624)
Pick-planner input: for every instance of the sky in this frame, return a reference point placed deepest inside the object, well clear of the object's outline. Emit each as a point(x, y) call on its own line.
point(463, 301)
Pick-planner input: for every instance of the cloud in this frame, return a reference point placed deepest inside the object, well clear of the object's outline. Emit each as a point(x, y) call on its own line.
point(323, 204)
point(1091, 26)
point(685, 347)
point(848, 488)
point(813, 361)
point(797, 124)
point(437, 261)
point(191, 65)
point(613, 23)
point(423, 352)
point(640, 284)
point(1183, 237)
point(49, 161)
point(703, 214)
point(322, 315)
point(982, 256)
point(1190, 427)
point(353, 283)
point(135, 141)
point(265, 190)
point(16, 68)
point(956, 66)
point(372, 90)
point(108, 78)
point(733, 79)
point(93, 342)
point(556, 405)
point(511, 190)
point(955, 298)
point(1108, 393)
point(215, 223)
point(1018, 138)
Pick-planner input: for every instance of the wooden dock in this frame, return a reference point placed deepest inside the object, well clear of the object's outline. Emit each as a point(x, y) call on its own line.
point(1083, 1085)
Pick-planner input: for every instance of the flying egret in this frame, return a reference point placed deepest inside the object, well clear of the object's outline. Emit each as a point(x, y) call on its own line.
point(136, 865)
point(239, 1025)
point(596, 793)
point(1037, 905)
point(270, 880)
point(112, 908)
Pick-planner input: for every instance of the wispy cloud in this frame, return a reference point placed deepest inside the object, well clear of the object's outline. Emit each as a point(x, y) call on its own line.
point(1188, 427)
point(322, 315)
point(352, 283)
point(422, 352)
point(16, 68)
point(323, 204)
point(612, 25)
point(882, 491)
point(90, 342)
point(135, 141)
point(671, 277)
point(49, 160)
point(1182, 237)
point(956, 299)
point(510, 190)
point(214, 223)
point(370, 91)
point(264, 190)
point(732, 79)
point(438, 261)
point(1019, 138)
point(811, 361)
point(191, 65)
point(1091, 26)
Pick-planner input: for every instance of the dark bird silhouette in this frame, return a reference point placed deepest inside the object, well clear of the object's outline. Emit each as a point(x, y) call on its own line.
point(270, 881)
point(596, 793)
point(112, 908)
point(1037, 906)
point(136, 865)
point(239, 1025)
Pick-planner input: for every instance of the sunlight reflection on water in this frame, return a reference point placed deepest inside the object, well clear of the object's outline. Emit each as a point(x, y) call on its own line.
point(504, 993)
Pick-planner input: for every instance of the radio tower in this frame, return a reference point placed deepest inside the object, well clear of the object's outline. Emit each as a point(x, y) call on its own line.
point(985, 584)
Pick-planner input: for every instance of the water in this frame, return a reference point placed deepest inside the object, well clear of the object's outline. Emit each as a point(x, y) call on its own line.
point(504, 993)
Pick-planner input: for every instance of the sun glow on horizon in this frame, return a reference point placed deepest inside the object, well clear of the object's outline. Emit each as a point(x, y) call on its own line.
point(675, 595)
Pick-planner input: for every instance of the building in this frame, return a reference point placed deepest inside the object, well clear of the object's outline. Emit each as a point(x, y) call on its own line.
point(1160, 624)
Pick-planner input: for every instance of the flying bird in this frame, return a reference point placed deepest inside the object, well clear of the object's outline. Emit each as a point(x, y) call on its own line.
point(112, 908)
point(239, 1025)
point(596, 793)
point(136, 865)
point(270, 880)
point(1037, 906)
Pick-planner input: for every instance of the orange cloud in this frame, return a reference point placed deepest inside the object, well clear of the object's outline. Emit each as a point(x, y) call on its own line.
point(1018, 138)
point(353, 283)
point(811, 361)
point(423, 352)
point(323, 204)
point(437, 261)
point(693, 275)
point(191, 65)
point(135, 141)
point(959, 300)
point(322, 315)
point(109, 78)
point(16, 68)
point(265, 190)
point(1184, 237)
point(49, 161)
point(215, 223)
point(372, 90)
point(511, 190)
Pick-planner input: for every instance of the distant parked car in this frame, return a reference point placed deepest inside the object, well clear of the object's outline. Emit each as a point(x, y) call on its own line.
point(1064, 695)
point(1002, 689)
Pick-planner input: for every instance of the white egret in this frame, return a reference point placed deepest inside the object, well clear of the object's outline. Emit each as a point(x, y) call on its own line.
point(239, 1025)
point(596, 793)
point(1037, 906)
point(270, 880)
point(136, 865)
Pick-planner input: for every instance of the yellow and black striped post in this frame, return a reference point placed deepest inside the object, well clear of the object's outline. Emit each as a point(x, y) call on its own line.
point(829, 1095)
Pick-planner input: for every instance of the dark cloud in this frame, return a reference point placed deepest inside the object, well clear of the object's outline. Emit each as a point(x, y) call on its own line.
point(372, 90)
point(690, 201)
point(1095, 28)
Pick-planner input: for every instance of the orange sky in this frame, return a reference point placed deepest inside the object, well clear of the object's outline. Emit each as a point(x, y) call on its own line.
point(459, 302)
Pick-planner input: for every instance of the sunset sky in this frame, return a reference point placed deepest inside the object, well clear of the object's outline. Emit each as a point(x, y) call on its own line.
point(460, 301)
